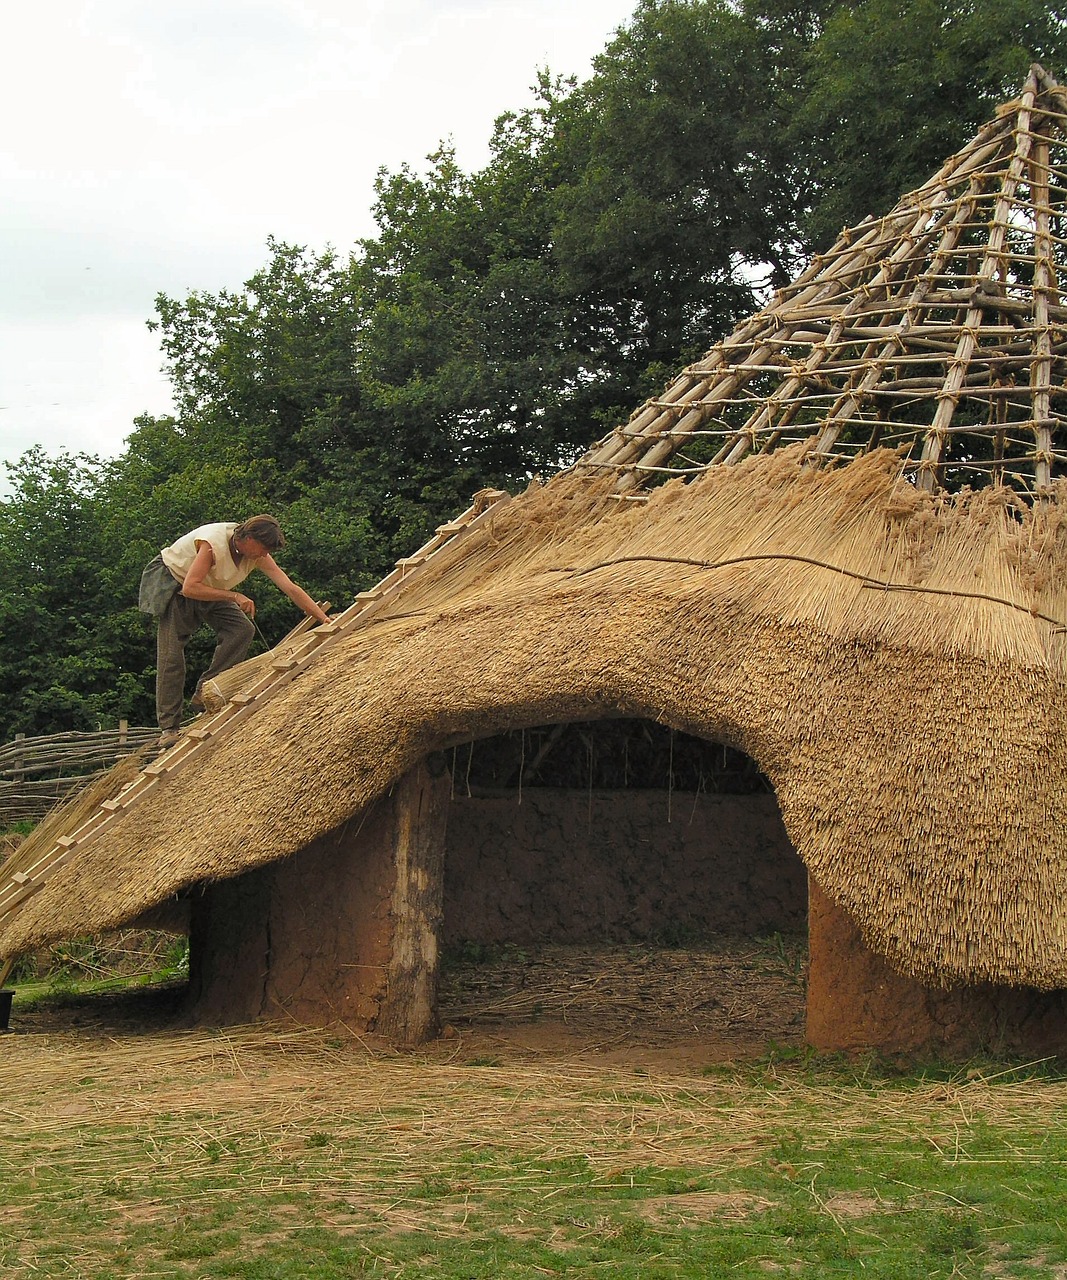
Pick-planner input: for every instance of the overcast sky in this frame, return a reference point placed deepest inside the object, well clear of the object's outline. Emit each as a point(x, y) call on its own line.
point(153, 146)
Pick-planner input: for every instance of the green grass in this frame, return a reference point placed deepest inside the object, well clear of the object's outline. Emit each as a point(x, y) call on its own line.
point(272, 1155)
point(82, 968)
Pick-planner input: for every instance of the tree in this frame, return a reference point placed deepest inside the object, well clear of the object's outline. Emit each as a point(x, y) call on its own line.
point(461, 349)
point(269, 368)
point(679, 199)
point(270, 420)
point(511, 315)
point(498, 321)
point(893, 87)
point(67, 657)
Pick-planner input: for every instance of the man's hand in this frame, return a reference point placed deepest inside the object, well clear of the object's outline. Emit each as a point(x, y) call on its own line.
point(245, 604)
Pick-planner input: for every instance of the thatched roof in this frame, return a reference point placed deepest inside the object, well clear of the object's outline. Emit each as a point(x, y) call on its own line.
point(891, 654)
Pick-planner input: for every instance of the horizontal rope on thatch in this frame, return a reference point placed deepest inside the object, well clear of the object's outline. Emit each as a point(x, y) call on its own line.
point(782, 556)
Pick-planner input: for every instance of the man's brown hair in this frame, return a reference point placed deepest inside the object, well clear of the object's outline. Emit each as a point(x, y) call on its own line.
point(265, 530)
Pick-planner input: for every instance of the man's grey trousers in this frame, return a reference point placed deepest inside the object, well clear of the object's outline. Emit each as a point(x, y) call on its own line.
point(180, 620)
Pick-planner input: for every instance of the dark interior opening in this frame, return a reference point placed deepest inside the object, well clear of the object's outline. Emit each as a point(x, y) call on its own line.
point(621, 875)
point(613, 755)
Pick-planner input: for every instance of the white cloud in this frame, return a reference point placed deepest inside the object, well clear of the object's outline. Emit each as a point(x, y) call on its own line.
point(153, 147)
point(52, 393)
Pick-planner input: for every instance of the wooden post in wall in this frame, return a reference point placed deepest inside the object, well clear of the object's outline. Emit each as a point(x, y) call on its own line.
point(409, 1009)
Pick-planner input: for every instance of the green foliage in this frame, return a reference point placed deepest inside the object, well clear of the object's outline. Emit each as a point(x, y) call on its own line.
point(893, 87)
point(468, 352)
point(61, 601)
point(272, 419)
point(265, 375)
point(76, 972)
point(680, 189)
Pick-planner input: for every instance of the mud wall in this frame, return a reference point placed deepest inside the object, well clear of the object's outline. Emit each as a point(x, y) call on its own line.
point(613, 866)
point(311, 938)
point(307, 938)
point(856, 1001)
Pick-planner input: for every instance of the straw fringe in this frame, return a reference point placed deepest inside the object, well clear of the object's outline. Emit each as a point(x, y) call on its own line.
point(915, 739)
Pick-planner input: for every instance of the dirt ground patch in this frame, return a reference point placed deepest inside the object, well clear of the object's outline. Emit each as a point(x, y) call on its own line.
point(699, 1205)
point(726, 999)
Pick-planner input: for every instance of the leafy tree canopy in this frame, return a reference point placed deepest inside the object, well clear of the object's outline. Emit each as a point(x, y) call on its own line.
point(893, 87)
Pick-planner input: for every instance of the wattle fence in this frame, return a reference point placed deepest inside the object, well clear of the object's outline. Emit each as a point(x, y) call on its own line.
point(36, 774)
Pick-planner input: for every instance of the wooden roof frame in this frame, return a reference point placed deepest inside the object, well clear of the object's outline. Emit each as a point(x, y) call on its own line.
point(937, 329)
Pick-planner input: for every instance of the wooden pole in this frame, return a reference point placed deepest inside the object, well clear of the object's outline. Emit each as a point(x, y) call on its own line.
point(949, 396)
point(409, 1010)
point(1044, 287)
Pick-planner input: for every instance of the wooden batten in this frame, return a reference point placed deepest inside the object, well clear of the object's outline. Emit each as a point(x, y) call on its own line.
point(839, 380)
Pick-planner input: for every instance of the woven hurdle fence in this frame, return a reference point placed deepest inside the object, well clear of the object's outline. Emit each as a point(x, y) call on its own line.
point(38, 773)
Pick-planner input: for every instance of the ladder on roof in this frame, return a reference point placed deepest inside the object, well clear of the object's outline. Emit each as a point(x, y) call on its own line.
point(17, 888)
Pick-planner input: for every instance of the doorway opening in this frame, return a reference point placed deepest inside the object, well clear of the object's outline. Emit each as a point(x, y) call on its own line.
point(619, 882)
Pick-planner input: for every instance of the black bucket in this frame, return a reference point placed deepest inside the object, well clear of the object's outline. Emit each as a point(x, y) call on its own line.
point(5, 1008)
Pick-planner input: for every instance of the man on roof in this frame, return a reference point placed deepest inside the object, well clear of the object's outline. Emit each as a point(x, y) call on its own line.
point(191, 584)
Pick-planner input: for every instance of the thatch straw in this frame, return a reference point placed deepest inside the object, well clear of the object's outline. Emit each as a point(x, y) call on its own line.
point(912, 728)
point(73, 812)
point(159, 1104)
